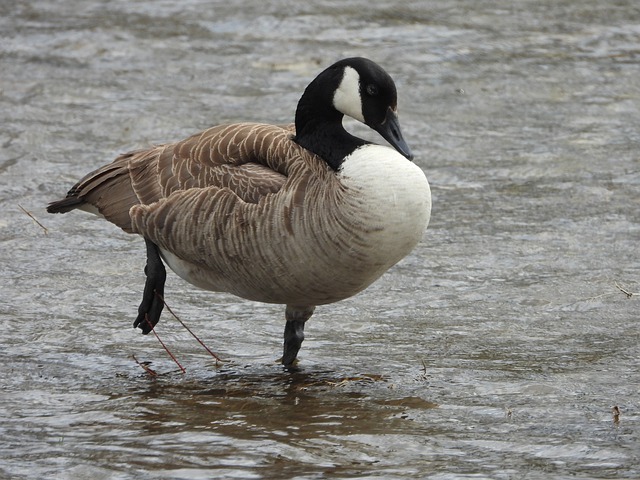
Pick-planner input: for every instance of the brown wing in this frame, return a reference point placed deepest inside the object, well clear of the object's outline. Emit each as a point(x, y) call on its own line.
point(250, 160)
point(250, 249)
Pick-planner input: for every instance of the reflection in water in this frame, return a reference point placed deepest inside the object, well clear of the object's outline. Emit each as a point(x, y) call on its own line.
point(233, 421)
point(274, 406)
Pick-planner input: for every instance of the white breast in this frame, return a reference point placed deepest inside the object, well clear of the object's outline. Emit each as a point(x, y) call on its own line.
point(394, 197)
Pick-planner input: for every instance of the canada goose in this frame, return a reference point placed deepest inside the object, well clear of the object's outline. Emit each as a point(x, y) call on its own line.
point(300, 215)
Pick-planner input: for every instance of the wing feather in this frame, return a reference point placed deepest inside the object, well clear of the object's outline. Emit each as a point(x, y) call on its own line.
point(247, 160)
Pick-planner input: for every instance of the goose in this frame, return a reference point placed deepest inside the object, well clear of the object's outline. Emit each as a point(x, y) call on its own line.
point(300, 215)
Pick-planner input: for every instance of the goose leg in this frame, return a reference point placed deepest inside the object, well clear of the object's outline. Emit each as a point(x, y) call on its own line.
point(152, 303)
point(294, 332)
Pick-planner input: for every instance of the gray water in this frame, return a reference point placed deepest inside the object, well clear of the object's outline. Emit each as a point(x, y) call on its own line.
point(497, 349)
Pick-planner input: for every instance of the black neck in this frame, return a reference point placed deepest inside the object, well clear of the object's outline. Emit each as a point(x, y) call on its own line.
point(330, 141)
point(319, 126)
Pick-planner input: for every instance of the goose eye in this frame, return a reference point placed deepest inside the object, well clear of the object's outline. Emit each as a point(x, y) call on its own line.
point(372, 90)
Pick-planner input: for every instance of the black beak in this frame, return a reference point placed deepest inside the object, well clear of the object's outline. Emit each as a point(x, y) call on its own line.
point(390, 131)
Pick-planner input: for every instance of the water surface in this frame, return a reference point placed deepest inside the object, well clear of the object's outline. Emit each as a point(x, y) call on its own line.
point(495, 350)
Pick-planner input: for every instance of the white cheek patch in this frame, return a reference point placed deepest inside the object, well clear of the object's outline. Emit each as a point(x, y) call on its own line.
point(347, 97)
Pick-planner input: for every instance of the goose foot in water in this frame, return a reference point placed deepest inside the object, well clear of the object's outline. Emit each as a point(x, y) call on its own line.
point(152, 299)
point(294, 332)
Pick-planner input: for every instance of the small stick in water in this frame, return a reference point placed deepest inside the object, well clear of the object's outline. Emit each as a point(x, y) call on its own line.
point(625, 291)
point(615, 410)
point(145, 367)
point(46, 231)
point(184, 370)
point(218, 359)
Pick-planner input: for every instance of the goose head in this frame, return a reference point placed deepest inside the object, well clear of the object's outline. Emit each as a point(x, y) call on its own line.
point(358, 88)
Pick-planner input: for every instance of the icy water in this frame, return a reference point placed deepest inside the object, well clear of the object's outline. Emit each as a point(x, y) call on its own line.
point(497, 349)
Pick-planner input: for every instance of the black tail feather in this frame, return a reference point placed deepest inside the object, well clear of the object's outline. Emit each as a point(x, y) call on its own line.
point(65, 205)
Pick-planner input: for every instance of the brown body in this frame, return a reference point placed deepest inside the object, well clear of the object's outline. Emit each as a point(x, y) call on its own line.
point(244, 209)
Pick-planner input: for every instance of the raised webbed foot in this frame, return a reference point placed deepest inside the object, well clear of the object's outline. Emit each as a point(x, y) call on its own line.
point(153, 297)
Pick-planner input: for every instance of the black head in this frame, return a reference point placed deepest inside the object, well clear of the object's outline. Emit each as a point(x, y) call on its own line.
point(358, 88)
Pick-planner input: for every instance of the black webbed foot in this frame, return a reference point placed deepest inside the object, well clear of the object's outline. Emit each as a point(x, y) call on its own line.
point(294, 332)
point(153, 297)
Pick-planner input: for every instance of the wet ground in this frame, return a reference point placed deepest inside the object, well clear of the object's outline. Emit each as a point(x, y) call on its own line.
point(497, 349)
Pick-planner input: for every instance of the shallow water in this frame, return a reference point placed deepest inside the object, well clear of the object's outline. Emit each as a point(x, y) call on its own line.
point(495, 350)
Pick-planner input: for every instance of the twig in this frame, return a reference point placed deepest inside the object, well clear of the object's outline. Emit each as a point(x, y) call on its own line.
point(595, 297)
point(218, 359)
point(424, 375)
point(615, 411)
point(147, 369)
point(619, 287)
point(46, 231)
point(184, 370)
point(626, 292)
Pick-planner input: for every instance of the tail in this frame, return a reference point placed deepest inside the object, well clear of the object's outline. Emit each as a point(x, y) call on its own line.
point(86, 189)
point(107, 191)
point(65, 205)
